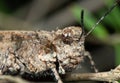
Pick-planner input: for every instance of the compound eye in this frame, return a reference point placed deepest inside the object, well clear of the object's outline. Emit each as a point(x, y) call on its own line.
point(67, 34)
point(67, 39)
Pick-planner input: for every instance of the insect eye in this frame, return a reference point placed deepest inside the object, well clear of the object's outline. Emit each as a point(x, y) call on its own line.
point(67, 39)
point(67, 34)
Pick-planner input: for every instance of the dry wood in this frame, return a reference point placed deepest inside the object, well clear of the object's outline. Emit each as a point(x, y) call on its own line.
point(110, 76)
point(11, 79)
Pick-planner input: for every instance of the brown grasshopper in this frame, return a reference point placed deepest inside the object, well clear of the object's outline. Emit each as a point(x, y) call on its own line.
point(37, 51)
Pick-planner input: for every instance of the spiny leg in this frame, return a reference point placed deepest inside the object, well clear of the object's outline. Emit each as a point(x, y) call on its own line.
point(87, 54)
point(57, 75)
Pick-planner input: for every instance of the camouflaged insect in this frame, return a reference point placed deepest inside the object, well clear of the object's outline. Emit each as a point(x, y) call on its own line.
point(29, 51)
point(38, 51)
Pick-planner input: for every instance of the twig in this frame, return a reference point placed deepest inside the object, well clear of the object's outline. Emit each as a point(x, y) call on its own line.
point(12, 79)
point(110, 76)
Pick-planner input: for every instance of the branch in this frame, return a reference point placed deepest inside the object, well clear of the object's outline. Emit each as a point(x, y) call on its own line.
point(110, 76)
point(11, 79)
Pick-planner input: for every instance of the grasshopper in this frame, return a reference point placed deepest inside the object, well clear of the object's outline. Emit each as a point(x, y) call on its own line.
point(37, 51)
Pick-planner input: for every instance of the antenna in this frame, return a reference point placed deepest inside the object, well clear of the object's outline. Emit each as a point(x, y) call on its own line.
point(106, 13)
point(82, 21)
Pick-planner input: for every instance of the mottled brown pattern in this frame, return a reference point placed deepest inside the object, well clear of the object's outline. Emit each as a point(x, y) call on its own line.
point(37, 51)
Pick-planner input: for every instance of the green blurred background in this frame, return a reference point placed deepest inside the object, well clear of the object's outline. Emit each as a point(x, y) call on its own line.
point(103, 43)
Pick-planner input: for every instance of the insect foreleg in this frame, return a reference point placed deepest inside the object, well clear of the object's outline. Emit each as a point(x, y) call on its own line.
point(87, 54)
point(57, 75)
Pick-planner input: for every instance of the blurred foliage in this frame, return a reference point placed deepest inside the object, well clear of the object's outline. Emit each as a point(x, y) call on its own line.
point(3, 7)
point(102, 32)
point(9, 6)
